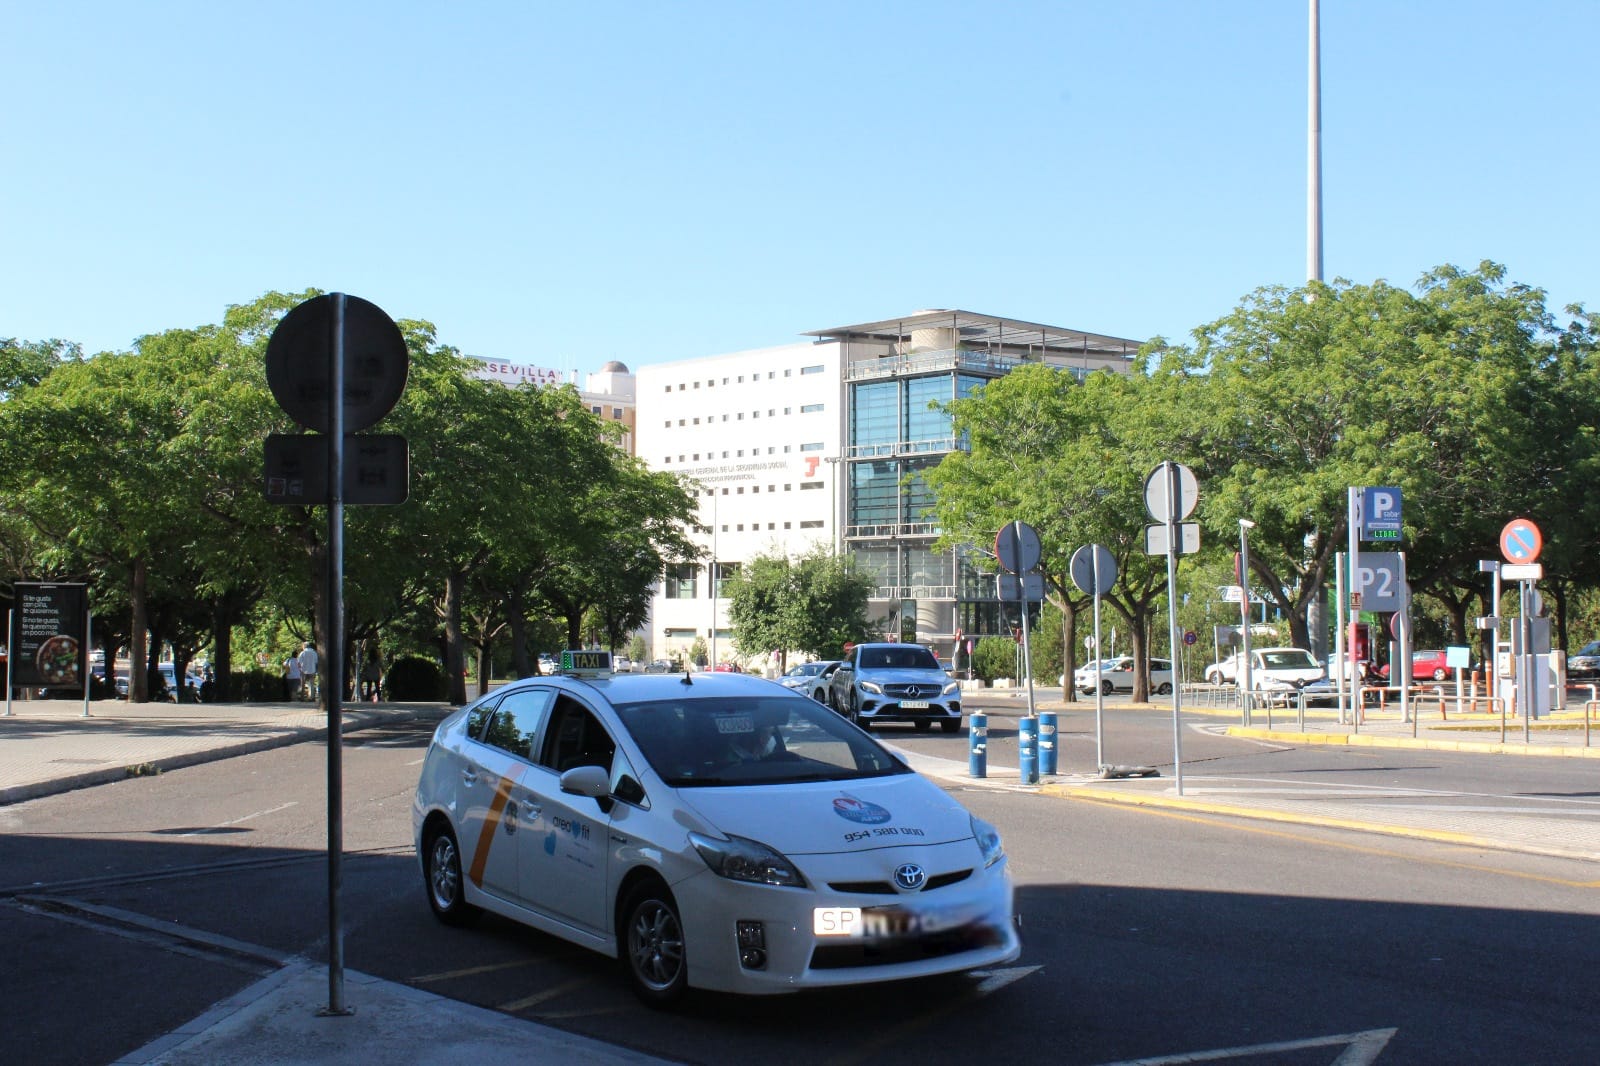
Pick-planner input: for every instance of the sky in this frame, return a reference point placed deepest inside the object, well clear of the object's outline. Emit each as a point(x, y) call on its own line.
point(564, 184)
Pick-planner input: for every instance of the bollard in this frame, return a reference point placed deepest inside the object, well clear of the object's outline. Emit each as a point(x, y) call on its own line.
point(1047, 742)
point(977, 744)
point(1028, 749)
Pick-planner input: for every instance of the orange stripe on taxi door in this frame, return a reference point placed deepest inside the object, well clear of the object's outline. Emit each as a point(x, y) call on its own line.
point(480, 856)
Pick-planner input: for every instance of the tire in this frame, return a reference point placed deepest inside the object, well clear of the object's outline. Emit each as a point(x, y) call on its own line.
point(951, 725)
point(651, 945)
point(1164, 689)
point(922, 725)
point(1213, 677)
point(442, 876)
point(1107, 688)
point(817, 695)
point(1438, 673)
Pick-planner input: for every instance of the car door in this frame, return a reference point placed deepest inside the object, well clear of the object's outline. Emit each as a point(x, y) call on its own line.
point(564, 863)
point(495, 802)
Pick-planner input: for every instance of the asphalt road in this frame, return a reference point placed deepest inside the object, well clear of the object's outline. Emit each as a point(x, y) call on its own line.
point(1148, 935)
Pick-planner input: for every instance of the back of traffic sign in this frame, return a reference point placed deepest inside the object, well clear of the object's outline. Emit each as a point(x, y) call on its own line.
point(300, 363)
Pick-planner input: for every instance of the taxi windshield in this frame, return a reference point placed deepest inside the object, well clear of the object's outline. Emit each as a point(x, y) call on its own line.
point(757, 740)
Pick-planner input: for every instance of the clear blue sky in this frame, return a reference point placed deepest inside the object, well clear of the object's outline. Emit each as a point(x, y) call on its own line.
point(564, 183)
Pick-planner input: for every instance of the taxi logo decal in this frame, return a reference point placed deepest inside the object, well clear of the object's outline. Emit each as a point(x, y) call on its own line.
point(497, 806)
point(860, 811)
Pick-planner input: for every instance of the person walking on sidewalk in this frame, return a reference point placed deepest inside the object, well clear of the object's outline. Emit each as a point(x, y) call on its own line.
point(308, 670)
point(291, 676)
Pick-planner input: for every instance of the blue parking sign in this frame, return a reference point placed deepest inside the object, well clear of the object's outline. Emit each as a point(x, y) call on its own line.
point(1380, 513)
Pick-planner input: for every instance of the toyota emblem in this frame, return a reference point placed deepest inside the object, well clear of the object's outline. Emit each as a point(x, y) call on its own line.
point(910, 876)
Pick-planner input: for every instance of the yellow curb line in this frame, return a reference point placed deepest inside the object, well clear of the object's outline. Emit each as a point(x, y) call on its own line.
point(1090, 794)
point(1369, 740)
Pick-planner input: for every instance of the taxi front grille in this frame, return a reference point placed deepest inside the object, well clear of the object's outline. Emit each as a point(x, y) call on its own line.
point(884, 888)
point(912, 692)
point(858, 953)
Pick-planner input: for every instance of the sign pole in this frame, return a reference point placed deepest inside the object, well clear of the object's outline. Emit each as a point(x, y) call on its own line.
point(1099, 696)
point(332, 667)
point(11, 643)
point(1171, 472)
point(88, 671)
point(1353, 502)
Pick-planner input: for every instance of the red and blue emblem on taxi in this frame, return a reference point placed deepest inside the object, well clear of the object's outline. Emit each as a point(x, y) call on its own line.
point(860, 811)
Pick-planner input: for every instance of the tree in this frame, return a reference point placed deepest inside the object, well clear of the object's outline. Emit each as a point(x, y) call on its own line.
point(813, 605)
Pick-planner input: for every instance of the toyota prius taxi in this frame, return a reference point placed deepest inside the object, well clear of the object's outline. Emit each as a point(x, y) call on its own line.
point(713, 831)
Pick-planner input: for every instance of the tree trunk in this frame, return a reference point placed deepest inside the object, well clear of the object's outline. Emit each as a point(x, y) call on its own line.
point(455, 663)
point(139, 637)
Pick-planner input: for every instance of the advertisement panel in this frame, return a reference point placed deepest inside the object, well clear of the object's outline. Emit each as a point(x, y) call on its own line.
point(49, 636)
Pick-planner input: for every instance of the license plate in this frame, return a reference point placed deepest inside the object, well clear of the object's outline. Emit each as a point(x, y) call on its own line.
point(914, 705)
point(836, 921)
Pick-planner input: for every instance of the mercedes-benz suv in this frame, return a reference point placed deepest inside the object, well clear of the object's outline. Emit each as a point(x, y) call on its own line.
point(895, 683)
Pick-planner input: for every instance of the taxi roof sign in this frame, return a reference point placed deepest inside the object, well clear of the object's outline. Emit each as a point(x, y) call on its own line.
point(586, 662)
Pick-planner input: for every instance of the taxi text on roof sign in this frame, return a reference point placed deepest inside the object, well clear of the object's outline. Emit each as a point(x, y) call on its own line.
point(586, 662)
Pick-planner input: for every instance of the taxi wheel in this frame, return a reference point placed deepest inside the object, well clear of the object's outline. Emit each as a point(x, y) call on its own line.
point(443, 875)
point(652, 945)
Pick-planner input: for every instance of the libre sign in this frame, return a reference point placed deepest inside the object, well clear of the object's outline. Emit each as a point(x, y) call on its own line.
point(1380, 514)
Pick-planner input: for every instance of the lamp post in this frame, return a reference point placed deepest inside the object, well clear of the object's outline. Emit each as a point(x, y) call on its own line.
point(1245, 526)
point(833, 530)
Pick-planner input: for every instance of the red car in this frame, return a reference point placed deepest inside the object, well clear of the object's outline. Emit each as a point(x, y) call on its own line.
point(1425, 666)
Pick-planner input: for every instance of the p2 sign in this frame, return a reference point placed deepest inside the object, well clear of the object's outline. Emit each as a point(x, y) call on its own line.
point(1377, 580)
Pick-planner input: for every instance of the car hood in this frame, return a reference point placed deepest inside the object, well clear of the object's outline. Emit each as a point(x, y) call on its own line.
point(828, 817)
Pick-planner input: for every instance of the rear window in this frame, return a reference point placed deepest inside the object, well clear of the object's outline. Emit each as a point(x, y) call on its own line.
point(1291, 660)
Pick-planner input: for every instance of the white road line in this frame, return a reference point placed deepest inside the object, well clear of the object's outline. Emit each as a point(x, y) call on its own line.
point(236, 821)
point(1360, 1050)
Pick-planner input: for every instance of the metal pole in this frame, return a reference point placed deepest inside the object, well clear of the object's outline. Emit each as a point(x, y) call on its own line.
point(1352, 502)
point(1099, 696)
point(1314, 152)
point(1246, 701)
point(1172, 615)
point(1340, 686)
point(88, 643)
point(11, 653)
point(332, 668)
point(1525, 660)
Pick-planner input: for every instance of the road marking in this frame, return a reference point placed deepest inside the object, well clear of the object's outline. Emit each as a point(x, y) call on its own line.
point(994, 980)
point(236, 821)
point(990, 981)
point(1360, 1049)
point(473, 971)
point(518, 1005)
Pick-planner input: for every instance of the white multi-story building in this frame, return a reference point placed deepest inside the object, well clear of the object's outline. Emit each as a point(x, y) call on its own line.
point(823, 442)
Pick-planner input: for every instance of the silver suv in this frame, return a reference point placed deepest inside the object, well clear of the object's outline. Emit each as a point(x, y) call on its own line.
point(895, 683)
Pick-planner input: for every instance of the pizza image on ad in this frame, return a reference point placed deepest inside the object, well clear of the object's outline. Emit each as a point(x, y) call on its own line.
point(58, 661)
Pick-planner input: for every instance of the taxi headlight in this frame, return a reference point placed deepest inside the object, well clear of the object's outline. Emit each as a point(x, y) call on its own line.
point(739, 859)
point(872, 687)
point(988, 838)
point(952, 686)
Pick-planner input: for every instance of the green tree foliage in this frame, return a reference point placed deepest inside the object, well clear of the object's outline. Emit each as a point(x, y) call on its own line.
point(994, 657)
point(813, 605)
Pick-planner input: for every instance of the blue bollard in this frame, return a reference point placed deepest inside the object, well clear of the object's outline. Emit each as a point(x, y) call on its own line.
point(1047, 742)
point(1028, 749)
point(977, 744)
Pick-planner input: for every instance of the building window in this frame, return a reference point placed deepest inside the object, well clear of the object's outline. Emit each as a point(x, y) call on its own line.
point(741, 490)
point(811, 369)
point(741, 527)
point(616, 412)
point(786, 525)
point(680, 421)
point(680, 634)
point(697, 457)
point(726, 572)
point(813, 446)
point(697, 421)
point(667, 424)
point(595, 409)
point(810, 408)
point(755, 489)
point(786, 373)
point(810, 485)
point(682, 579)
point(812, 524)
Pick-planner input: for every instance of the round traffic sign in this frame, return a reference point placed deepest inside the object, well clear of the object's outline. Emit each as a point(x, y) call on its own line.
point(1093, 569)
point(1189, 636)
point(1520, 541)
point(300, 363)
point(1017, 547)
point(1156, 491)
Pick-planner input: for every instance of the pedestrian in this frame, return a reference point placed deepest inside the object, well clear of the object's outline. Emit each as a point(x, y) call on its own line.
point(371, 676)
point(291, 675)
point(308, 670)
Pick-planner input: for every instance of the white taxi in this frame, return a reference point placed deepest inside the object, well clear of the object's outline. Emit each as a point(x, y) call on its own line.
point(713, 831)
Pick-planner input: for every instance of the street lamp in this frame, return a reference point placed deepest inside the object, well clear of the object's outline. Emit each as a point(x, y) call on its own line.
point(1245, 526)
point(833, 462)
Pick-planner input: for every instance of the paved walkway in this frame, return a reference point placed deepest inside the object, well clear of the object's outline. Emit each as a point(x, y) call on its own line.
point(49, 747)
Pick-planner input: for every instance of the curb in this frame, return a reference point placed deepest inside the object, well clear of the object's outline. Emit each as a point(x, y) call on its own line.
point(1373, 740)
point(38, 789)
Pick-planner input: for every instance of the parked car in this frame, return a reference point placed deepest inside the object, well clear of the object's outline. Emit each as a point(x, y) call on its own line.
point(659, 666)
point(621, 664)
point(811, 679)
point(895, 683)
point(1083, 677)
point(1430, 665)
point(1584, 664)
point(1116, 675)
point(1294, 665)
